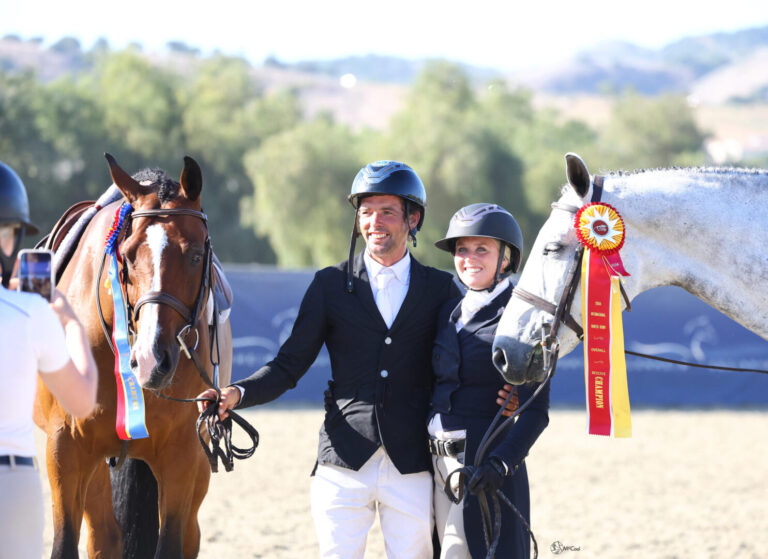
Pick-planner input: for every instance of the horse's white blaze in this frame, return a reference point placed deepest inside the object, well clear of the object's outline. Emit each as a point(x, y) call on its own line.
point(149, 328)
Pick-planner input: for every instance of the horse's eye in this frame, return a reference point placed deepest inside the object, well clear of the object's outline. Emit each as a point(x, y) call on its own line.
point(552, 247)
point(197, 258)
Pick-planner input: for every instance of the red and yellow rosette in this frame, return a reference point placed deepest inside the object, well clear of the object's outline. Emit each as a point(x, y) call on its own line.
point(600, 229)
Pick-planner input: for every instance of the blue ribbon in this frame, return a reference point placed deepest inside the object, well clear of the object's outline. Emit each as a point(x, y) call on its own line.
point(130, 422)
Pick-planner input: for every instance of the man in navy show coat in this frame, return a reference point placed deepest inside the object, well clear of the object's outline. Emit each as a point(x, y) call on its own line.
point(372, 451)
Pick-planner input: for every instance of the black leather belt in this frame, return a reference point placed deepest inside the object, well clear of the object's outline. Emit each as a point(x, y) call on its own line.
point(17, 460)
point(450, 447)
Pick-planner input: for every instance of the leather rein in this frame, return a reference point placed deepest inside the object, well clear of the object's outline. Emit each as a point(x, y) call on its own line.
point(218, 430)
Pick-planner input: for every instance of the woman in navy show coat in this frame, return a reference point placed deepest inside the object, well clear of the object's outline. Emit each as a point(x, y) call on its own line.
point(487, 245)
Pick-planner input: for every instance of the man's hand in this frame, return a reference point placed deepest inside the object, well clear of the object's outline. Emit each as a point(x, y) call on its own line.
point(230, 397)
point(513, 402)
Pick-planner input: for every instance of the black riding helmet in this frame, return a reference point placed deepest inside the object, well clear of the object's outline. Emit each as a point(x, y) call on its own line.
point(486, 220)
point(14, 210)
point(386, 177)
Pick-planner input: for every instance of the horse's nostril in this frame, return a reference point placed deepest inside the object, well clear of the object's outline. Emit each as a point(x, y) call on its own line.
point(500, 360)
point(166, 363)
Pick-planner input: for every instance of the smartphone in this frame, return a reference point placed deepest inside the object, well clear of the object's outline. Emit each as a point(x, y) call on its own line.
point(36, 272)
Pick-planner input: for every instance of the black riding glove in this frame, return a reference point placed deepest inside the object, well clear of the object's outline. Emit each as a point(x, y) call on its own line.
point(489, 476)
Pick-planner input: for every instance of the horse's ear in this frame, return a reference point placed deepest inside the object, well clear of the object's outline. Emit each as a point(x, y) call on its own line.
point(191, 179)
point(577, 173)
point(130, 188)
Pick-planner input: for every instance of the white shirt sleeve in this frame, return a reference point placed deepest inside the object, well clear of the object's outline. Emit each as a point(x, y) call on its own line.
point(48, 338)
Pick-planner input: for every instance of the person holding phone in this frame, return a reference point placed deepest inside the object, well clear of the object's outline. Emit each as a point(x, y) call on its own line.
point(38, 339)
point(487, 246)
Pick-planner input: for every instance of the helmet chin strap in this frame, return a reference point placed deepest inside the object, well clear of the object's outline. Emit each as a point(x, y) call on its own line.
point(350, 286)
point(7, 261)
point(411, 232)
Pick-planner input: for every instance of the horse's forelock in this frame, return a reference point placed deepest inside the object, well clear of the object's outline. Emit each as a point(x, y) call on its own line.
point(167, 188)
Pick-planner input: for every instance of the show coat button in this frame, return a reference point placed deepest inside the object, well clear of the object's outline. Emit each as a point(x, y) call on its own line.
point(387, 340)
point(384, 373)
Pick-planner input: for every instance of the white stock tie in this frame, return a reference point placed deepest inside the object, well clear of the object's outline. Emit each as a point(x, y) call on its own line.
point(383, 300)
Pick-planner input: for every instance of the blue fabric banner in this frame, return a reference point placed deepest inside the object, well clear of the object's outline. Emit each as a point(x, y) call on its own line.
point(667, 322)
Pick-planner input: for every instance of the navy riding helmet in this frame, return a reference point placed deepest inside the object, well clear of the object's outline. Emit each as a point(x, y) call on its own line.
point(486, 220)
point(14, 211)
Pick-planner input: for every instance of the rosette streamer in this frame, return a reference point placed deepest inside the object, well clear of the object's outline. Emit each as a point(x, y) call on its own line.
point(600, 229)
point(130, 423)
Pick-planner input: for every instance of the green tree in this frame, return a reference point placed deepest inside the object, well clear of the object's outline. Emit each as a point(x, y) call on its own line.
point(24, 147)
point(540, 138)
point(140, 107)
point(301, 179)
point(225, 114)
point(456, 151)
point(651, 132)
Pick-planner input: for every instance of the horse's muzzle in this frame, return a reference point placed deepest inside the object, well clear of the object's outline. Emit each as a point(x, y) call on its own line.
point(162, 373)
point(517, 362)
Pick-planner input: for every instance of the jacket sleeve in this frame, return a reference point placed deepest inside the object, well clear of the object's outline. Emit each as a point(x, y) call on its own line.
point(529, 425)
point(296, 354)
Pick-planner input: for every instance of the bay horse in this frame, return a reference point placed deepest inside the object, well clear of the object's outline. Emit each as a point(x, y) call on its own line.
point(702, 229)
point(165, 259)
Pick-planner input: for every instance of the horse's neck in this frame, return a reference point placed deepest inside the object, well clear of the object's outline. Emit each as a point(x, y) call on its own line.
point(704, 232)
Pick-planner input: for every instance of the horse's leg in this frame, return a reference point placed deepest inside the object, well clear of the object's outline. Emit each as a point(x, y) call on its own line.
point(69, 472)
point(192, 531)
point(104, 535)
point(134, 494)
point(181, 492)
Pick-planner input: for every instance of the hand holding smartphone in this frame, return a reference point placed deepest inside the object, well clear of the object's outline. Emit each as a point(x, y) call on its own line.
point(36, 272)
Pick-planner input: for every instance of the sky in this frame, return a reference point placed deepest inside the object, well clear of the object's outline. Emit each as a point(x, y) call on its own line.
point(507, 35)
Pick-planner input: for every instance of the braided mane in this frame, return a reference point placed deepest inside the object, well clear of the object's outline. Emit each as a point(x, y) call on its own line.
point(167, 188)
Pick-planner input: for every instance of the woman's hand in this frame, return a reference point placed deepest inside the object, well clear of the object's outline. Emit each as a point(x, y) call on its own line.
point(230, 397)
point(63, 309)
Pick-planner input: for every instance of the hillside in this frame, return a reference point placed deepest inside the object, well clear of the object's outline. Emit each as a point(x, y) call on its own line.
point(725, 76)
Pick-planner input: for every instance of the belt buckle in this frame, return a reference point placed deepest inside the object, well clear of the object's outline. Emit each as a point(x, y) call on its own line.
point(449, 448)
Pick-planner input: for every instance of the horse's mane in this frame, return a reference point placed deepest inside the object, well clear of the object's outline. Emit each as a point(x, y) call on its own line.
point(732, 171)
point(167, 188)
point(700, 170)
